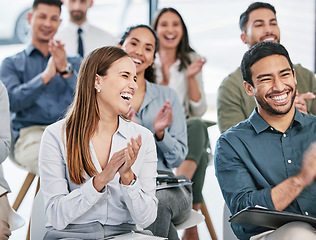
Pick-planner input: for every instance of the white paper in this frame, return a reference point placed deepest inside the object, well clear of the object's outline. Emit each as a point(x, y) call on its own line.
point(3, 191)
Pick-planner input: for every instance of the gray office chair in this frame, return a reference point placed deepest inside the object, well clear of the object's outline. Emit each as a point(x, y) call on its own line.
point(38, 220)
point(228, 233)
point(194, 219)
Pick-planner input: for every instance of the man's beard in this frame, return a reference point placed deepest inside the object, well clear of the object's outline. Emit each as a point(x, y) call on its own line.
point(77, 17)
point(274, 111)
point(277, 40)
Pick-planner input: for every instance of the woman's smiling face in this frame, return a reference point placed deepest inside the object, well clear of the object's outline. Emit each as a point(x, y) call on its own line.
point(140, 45)
point(117, 87)
point(169, 30)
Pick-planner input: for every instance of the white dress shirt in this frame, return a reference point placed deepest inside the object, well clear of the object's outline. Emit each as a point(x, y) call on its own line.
point(92, 37)
point(178, 82)
point(66, 202)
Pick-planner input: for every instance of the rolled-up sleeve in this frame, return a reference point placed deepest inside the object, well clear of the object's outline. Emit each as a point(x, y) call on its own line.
point(197, 109)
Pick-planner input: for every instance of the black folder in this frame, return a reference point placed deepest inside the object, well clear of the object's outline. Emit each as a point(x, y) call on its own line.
point(165, 181)
point(269, 218)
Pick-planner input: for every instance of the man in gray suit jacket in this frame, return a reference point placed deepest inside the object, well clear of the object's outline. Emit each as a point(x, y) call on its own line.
point(5, 140)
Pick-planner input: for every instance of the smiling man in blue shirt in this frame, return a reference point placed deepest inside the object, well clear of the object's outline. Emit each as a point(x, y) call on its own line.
point(270, 158)
point(40, 81)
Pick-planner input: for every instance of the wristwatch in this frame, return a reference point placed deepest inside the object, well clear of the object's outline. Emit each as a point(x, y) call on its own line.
point(68, 69)
point(132, 182)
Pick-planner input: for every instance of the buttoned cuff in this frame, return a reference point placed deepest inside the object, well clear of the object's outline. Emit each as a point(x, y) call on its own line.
point(131, 190)
point(132, 182)
point(196, 104)
point(90, 193)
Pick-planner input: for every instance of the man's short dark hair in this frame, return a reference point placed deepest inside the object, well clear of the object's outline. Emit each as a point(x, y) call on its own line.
point(259, 51)
point(244, 17)
point(56, 3)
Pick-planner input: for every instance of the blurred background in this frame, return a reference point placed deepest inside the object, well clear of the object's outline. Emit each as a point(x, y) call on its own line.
point(212, 25)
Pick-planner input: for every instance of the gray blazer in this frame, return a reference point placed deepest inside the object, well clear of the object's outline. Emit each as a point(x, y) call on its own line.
point(5, 134)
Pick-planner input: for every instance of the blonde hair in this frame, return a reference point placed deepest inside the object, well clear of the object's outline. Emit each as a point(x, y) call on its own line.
point(83, 115)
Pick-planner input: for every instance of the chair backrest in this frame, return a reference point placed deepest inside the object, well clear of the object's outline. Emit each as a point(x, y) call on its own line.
point(228, 233)
point(194, 219)
point(38, 219)
point(214, 133)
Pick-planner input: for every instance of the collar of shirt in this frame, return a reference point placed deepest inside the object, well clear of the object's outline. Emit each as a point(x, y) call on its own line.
point(260, 125)
point(151, 93)
point(31, 49)
point(175, 65)
point(123, 129)
point(74, 27)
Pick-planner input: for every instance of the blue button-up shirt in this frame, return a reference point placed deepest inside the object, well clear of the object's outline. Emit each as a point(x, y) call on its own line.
point(31, 101)
point(253, 157)
point(172, 149)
